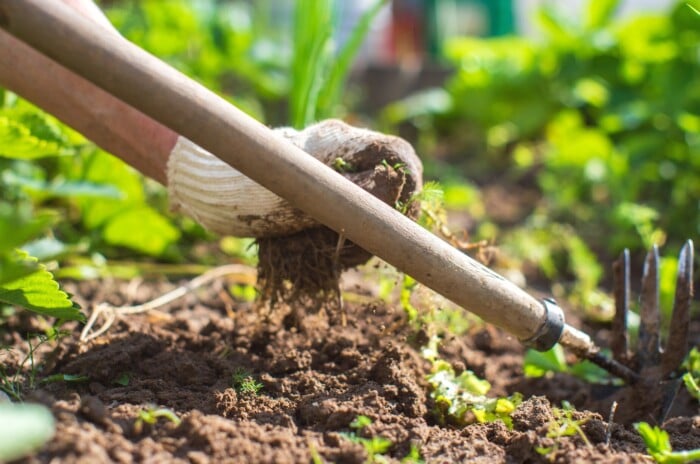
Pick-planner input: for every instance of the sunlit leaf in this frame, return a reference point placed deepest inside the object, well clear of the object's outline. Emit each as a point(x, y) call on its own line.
point(39, 292)
point(141, 228)
point(599, 12)
point(28, 134)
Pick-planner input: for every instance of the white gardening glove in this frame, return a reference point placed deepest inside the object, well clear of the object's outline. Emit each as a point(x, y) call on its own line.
point(225, 201)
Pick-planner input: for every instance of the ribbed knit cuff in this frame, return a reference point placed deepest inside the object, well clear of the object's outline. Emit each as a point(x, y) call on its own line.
point(225, 201)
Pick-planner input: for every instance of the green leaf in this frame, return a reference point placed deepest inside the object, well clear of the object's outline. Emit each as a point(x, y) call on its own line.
point(24, 428)
point(106, 169)
point(62, 188)
point(16, 265)
point(599, 13)
point(330, 92)
point(28, 134)
point(49, 248)
point(659, 447)
point(538, 363)
point(68, 378)
point(313, 28)
point(360, 422)
point(141, 228)
point(39, 292)
point(457, 395)
point(18, 227)
point(691, 385)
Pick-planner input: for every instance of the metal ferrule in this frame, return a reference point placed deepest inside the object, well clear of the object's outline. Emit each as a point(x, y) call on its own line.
point(551, 329)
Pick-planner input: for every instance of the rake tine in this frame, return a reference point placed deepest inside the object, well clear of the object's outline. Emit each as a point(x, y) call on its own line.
point(621, 279)
point(677, 345)
point(650, 320)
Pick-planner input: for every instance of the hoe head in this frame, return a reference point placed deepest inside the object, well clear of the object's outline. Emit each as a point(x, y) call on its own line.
point(650, 393)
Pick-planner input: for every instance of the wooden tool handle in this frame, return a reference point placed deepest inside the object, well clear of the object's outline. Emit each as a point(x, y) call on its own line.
point(146, 83)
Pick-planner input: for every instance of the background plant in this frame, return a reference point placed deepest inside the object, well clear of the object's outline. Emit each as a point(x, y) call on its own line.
point(600, 116)
point(659, 446)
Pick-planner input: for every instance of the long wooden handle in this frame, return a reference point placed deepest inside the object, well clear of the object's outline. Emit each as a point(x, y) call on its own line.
point(146, 83)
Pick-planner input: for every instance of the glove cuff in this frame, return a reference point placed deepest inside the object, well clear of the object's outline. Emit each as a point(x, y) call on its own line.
point(225, 201)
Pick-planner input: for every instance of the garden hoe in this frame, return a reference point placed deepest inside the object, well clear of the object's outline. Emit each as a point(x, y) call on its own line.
point(146, 83)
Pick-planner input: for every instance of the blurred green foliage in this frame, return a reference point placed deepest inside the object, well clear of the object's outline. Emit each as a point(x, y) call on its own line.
point(320, 65)
point(280, 70)
point(227, 46)
point(601, 115)
point(65, 200)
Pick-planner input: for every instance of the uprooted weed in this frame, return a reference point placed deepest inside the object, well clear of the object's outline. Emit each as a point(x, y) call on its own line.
point(305, 266)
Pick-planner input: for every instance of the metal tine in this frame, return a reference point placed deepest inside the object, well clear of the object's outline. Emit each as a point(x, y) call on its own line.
point(677, 344)
point(621, 282)
point(648, 352)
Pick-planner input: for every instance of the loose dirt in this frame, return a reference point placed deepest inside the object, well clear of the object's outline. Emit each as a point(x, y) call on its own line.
point(317, 376)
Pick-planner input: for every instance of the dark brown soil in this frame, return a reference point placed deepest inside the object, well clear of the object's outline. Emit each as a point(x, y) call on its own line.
point(316, 378)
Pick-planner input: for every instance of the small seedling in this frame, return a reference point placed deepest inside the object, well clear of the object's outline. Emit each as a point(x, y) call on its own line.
point(413, 456)
point(408, 285)
point(692, 377)
point(151, 415)
point(68, 378)
point(14, 384)
point(564, 425)
point(122, 379)
point(659, 446)
point(461, 398)
point(374, 446)
point(360, 422)
point(244, 383)
point(315, 456)
point(243, 292)
point(340, 165)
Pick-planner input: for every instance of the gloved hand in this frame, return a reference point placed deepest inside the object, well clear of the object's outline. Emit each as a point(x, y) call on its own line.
point(225, 201)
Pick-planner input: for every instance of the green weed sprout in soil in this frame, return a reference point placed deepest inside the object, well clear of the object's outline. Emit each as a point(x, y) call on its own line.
point(375, 446)
point(691, 378)
point(461, 399)
point(563, 425)
point(150, 415)
point(659, 446)
point(244, 382)
point(27, 370)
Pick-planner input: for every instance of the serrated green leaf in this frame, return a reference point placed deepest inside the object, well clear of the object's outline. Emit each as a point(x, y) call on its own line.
point(39, 292)
point(23, 429)
point(16, 265)
point(27, 134)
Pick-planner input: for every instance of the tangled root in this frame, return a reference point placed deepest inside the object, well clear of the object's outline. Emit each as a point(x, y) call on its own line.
point(305, 267)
